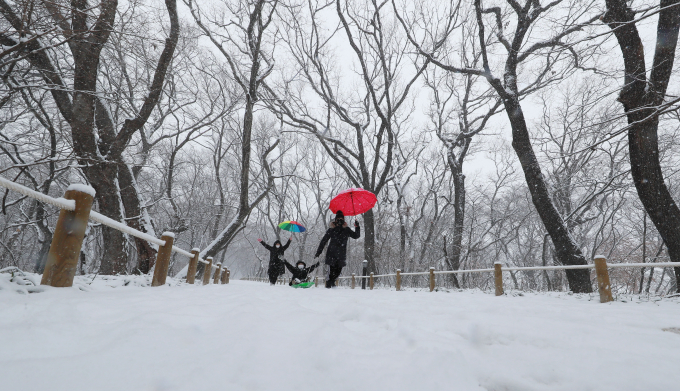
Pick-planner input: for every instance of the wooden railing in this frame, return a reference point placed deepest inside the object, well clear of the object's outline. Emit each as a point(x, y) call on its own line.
point(599, 264)
point(69, 232)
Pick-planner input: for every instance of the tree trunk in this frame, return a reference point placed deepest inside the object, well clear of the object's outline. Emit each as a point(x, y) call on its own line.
point(641, 99)
point(369, 240)
point(41, 259)
point(104, 179)
point(402, 233)
point(458, 217)
point(544, 262)
point(568, 253)
point(644, 252)
point(146, 255)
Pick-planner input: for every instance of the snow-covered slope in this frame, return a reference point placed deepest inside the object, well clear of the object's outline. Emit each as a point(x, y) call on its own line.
point(251, 336)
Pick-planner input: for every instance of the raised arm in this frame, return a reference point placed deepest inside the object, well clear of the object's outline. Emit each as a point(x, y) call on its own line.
point(324, 240)
point(268, 247)
point(285, 246)
point(356, 234)
point(288, 266)
point(314, 266)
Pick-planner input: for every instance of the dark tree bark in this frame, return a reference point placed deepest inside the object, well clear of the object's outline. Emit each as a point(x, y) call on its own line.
point(99, 156)
point(99, 160)
point(507, 89)
point(643, 97)
point(568, 253)
point(450, 260)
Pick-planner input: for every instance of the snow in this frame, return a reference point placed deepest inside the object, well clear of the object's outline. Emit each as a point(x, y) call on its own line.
point(82, 188)
point(115, 333)
point(168, 234)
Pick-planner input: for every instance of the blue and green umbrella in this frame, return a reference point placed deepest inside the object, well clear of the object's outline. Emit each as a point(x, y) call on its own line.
point(292, 226)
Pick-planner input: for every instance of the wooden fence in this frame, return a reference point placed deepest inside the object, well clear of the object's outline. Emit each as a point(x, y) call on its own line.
point(69, 232)
point(76, 206)
point(599, 264)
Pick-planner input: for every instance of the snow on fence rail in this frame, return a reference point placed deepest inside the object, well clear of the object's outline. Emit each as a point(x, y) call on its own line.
point(69, 232)
point(599, 264)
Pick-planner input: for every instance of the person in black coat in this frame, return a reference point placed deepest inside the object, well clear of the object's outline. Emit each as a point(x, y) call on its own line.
point(300, 271)
point(276, 251)
point(336, 254)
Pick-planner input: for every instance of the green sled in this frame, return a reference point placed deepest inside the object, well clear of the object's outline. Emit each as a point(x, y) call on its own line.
point(304, 285)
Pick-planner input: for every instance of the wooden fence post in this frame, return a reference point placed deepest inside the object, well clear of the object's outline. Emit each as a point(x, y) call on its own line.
point(316, 282)
point(218, 274)
point(160, 271)
point(208, 270)
point(603, 285)
point(353, 280)
point(370, 283)
point(228, 275)
point(431, 279)
point(193, 263)
point(498, 278)
point(364, 273)
point(62, 260)
point(398, 280)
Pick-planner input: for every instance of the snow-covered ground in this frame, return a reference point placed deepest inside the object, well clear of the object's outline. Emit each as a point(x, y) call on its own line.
point(250, 336)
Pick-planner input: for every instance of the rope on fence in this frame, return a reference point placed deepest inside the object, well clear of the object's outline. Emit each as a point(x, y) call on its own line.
point(564, 267)
point(61, 203)
point(660, 264)
point(100, 218)
point(70, 205)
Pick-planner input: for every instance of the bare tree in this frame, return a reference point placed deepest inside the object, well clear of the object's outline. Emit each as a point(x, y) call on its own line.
point(644, 100)
point(554, 51)
point(473, 109)
point(250, 61)
point(357, 129)
point(97, 145)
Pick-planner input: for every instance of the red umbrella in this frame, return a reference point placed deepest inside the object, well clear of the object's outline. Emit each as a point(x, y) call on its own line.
point(353, 201)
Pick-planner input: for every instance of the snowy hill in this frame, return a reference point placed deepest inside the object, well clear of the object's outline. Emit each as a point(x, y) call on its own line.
point(251, 336)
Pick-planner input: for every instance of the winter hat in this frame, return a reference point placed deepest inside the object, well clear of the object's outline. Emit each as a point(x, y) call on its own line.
point(300, 262)
point(339, 214)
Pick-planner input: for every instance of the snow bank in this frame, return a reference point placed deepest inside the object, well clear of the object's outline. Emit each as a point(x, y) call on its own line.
point(14, 280)
point(252, 336)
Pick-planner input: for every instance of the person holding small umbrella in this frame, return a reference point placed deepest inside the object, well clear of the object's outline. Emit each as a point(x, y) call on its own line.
point(276, 265)
point(336, 254)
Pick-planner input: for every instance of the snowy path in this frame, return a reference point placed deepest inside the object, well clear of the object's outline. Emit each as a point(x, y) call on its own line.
point(250, 336)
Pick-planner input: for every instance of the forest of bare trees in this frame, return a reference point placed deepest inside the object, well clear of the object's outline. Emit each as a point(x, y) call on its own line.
point(521, 131)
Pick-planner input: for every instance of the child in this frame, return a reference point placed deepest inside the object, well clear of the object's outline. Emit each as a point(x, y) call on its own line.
point(300, 271)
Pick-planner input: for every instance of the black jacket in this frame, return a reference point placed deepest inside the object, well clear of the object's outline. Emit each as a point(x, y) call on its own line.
point(276, 257)
point(336, 255)
point(300, 274)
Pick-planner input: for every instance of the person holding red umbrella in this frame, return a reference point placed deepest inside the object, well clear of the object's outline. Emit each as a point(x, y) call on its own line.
point(336, 254)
